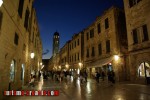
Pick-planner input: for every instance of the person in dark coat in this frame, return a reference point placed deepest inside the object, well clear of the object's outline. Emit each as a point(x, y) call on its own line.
point(111, 76)
point(103, 75)
point(97, 76)
point(85, 76)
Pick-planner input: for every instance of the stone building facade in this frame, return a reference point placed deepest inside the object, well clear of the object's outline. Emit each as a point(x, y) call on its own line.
point(70, 55)
point(50, 64)
point(15, 47)
point(56, 62)
point(138, 31)
point(105, 39)
point(100, 47)
point(75, 48)
point(64, 56)
point(35, 44)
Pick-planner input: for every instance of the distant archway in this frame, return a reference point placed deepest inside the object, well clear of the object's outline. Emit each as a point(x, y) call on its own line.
point(144, 70)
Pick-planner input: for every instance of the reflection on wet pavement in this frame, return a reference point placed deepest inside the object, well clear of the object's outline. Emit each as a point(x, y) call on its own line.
point(74, 90)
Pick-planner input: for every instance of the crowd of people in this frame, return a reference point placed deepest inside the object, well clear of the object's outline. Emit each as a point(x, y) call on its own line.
point(110, 76)
point(60, 76)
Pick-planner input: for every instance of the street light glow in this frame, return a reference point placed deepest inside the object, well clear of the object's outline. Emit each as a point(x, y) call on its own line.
point(59, 67)
point(116, 57)
point(1, 2)
point(80, 64)
point(67, 65)
point(78, 71)
point(41, 64)
point(32, 55)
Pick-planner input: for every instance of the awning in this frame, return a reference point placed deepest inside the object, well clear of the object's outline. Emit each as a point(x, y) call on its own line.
point(99, 63)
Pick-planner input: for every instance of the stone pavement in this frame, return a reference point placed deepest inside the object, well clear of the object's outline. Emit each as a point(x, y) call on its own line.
point(71, 90)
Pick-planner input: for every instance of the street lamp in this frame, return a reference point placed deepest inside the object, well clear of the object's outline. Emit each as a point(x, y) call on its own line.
point(67, 66)
point(59, 67)
point(32, 56)
point(80, 64)
point(1, 2)
point(116, 57)
point(41, 63)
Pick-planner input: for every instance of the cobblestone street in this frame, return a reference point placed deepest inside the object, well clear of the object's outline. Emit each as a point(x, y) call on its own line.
point(89, 91)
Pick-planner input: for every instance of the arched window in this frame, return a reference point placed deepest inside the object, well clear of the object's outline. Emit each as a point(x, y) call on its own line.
point(12, 71)
point(144, 70)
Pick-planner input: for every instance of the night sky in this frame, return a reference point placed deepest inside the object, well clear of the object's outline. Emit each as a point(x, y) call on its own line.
point(67, 17)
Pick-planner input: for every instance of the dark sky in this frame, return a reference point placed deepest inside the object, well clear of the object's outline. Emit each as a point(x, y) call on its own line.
point(67, 17)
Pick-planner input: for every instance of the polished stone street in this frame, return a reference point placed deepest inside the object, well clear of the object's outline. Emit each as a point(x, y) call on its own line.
point(69, 90)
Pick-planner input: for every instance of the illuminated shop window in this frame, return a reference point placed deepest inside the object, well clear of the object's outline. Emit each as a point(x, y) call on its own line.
point(12, 71)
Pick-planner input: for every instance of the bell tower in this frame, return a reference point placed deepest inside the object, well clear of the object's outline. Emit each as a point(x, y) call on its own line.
point(55, 43)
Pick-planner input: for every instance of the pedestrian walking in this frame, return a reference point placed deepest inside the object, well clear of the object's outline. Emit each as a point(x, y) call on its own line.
point(111, 77)
point(103, 75)
point(97, 77)
point(85, 76)
point(81, 78)
point(61, 76)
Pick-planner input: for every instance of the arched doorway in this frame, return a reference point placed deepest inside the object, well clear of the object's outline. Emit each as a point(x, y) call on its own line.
point(12, 73)
point(22, 73)
point(144, 71)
